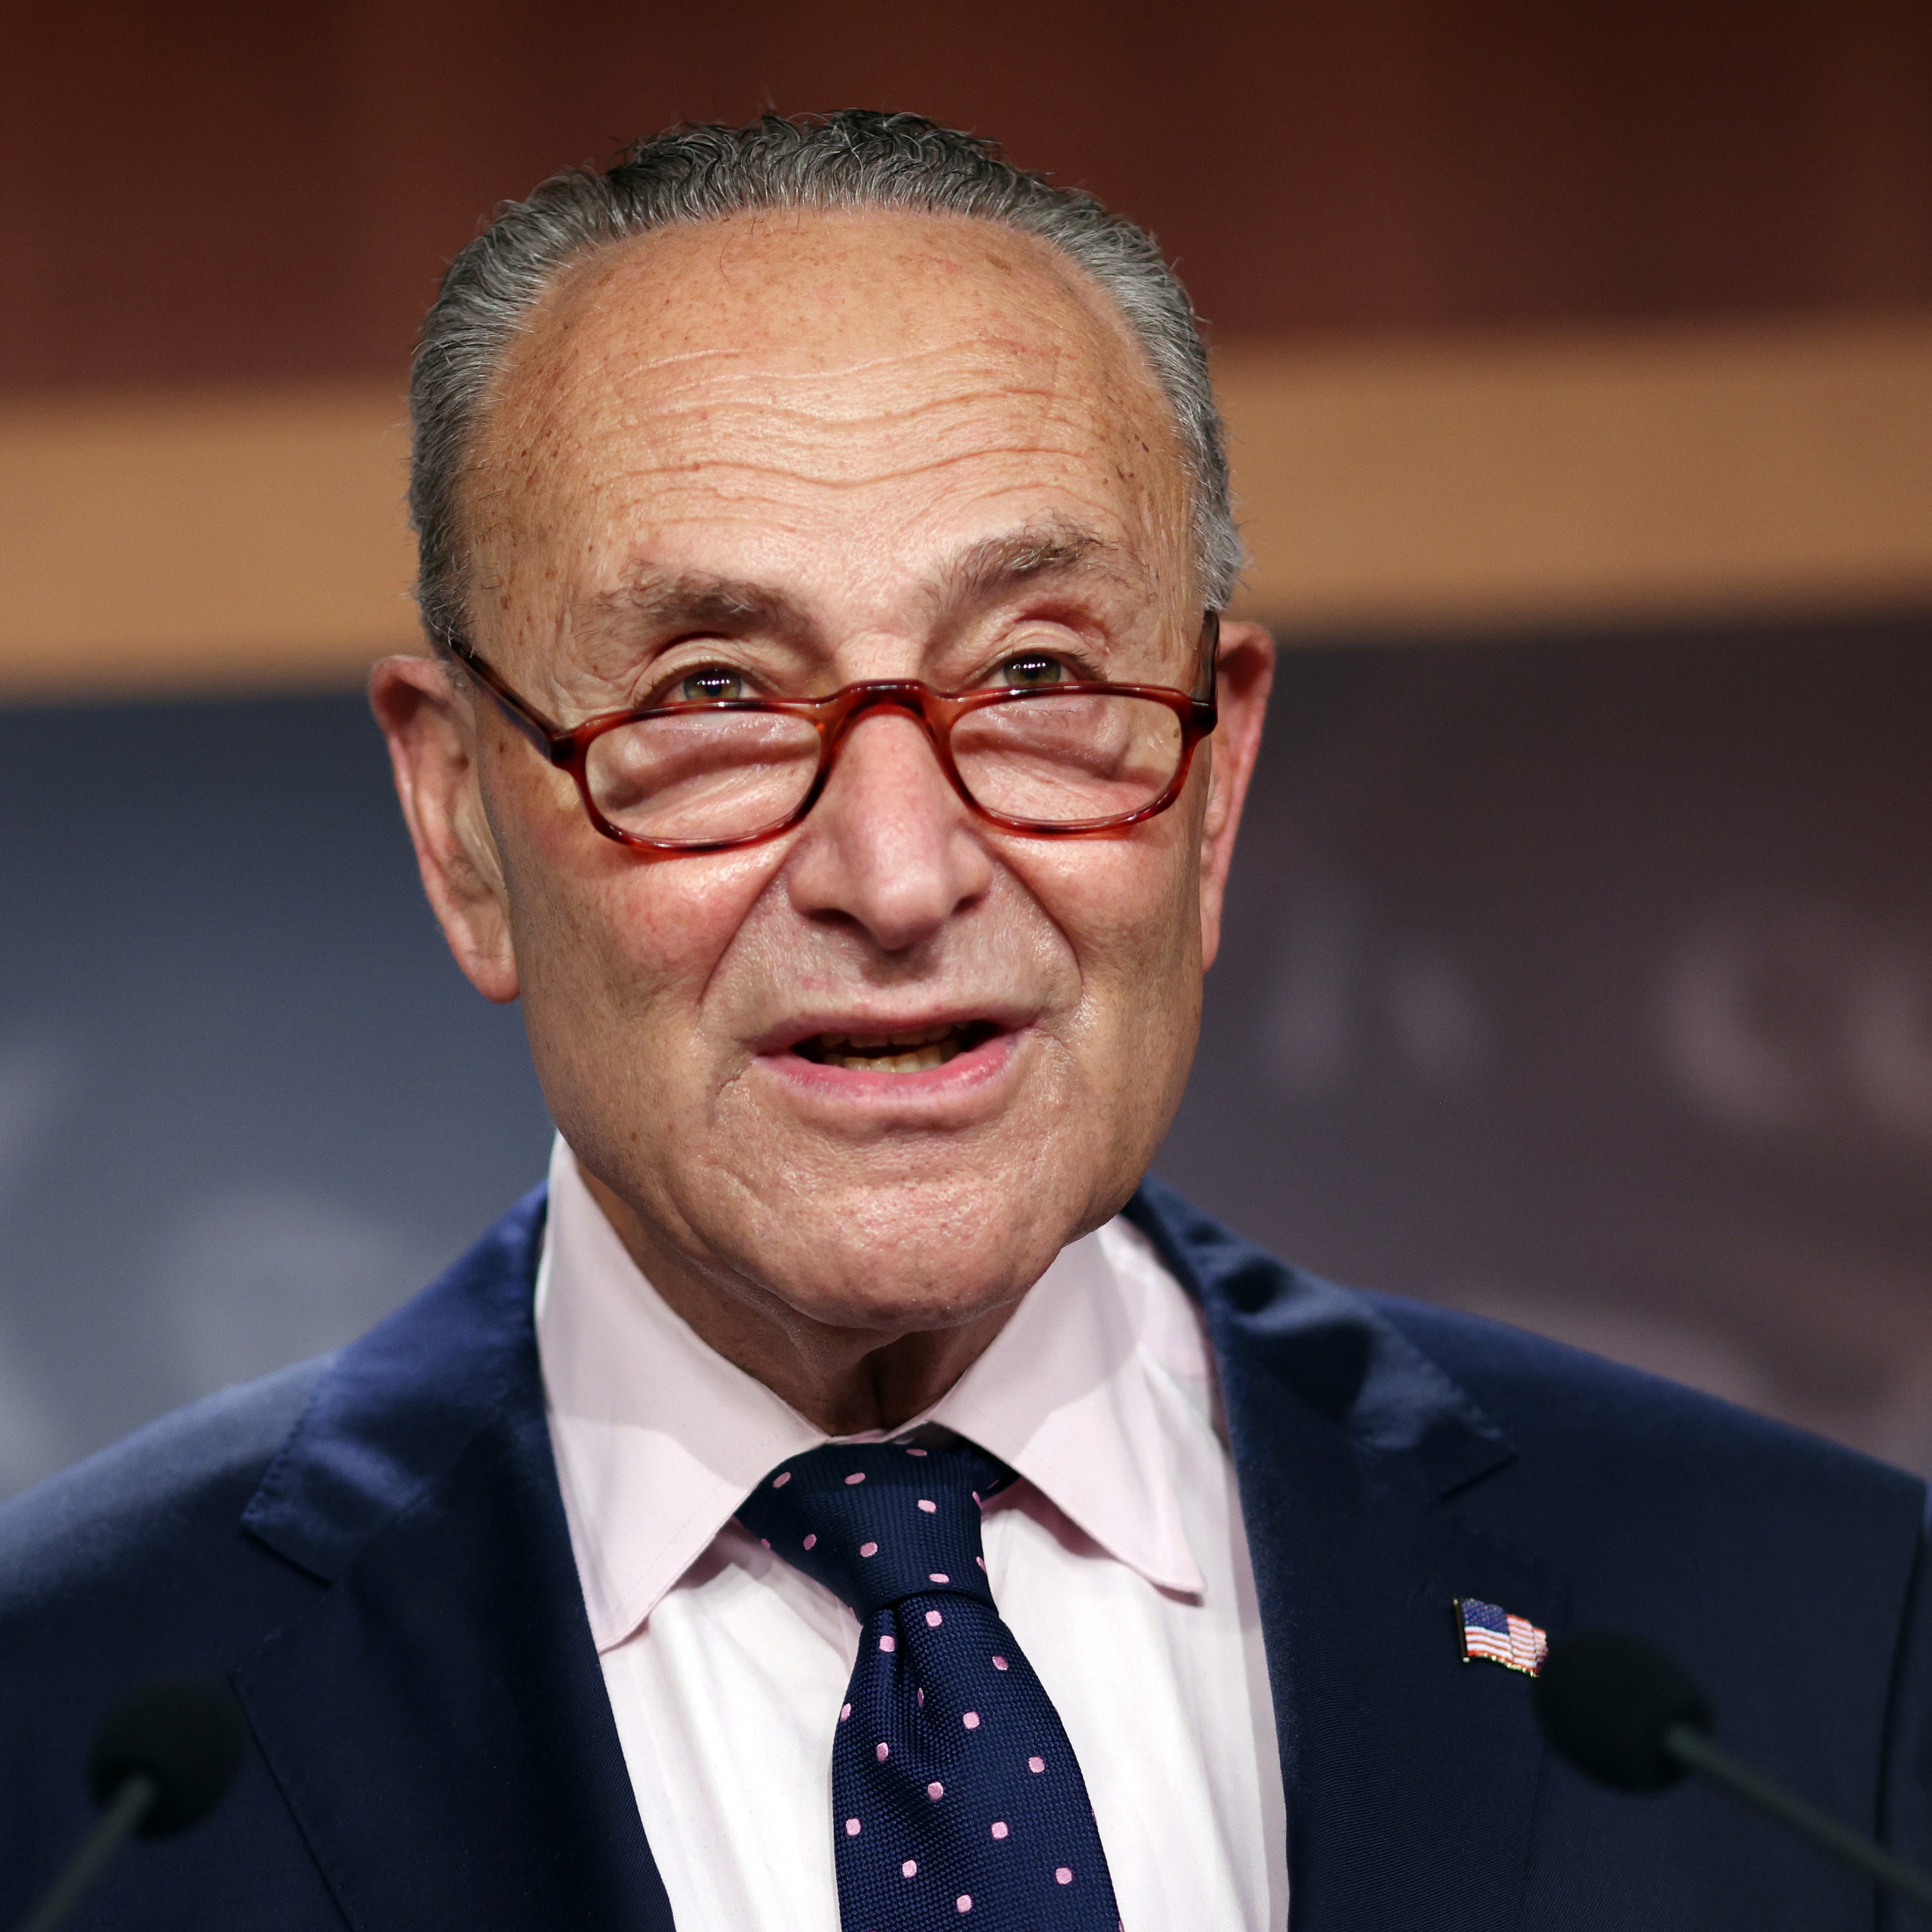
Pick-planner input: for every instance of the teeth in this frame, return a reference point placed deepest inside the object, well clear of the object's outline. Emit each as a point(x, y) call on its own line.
point(901, 1042)
point(914, 1052)
point(911, 1063)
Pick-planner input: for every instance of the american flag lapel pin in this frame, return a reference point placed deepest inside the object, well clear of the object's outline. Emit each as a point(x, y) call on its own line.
point(1491, 1635)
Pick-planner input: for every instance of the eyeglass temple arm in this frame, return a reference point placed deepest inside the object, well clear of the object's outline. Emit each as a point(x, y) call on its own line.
point(1206, 690)
point(538, 730)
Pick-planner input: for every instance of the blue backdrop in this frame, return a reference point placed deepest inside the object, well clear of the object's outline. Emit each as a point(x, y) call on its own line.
point(1587, 982)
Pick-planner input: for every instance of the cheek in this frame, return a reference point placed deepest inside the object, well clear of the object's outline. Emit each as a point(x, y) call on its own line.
point(607, 939)
point(1127, 910)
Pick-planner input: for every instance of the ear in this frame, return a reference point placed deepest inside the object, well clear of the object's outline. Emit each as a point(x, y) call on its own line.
point(431, 728)
point(1244, 668)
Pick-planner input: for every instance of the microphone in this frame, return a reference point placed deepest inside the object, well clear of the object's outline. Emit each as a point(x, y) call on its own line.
point(161, 1761)
point(1626, 1713)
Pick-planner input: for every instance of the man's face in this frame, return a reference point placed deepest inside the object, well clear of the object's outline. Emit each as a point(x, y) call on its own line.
point(873, 1073)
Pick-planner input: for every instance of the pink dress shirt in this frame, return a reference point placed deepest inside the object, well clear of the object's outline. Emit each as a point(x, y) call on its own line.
point(1119, 1560)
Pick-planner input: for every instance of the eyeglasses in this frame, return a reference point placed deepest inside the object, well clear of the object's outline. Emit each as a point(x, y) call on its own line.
point(1053, 761)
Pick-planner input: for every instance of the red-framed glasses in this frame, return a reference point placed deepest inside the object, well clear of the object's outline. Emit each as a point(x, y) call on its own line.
point(1050, 762)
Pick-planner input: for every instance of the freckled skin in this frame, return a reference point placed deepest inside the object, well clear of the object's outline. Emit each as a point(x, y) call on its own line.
point(836, 410)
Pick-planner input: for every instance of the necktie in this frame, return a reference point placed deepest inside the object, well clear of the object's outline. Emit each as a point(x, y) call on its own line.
point(956, 1799)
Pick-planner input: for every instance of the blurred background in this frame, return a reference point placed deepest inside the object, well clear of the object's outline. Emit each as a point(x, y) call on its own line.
point(1578, 362)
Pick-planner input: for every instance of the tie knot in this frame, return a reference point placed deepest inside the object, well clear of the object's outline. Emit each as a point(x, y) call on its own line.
point(877, 1522)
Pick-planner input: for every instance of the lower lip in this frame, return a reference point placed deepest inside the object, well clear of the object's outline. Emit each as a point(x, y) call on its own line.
point(961, 1075)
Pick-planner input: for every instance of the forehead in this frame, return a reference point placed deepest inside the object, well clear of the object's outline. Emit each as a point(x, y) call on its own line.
point(739, 394)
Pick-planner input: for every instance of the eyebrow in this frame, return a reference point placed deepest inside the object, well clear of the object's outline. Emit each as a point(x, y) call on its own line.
point(1035, 552)
point(674, 600)
point(983, 572)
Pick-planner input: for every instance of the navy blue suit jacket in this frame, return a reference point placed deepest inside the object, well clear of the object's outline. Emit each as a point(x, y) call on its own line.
point(372, 1550)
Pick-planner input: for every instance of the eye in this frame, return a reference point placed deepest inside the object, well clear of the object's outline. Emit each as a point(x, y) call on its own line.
point(1033, 670)
point(709, 684)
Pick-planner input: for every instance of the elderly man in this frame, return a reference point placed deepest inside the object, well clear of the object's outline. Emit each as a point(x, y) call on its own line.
point(848, 1498)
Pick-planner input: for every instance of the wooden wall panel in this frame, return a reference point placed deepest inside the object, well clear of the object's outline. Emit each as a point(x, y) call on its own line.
point(215, 192)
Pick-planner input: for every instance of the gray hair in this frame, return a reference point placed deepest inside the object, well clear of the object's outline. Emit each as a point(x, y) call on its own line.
point(854, 159)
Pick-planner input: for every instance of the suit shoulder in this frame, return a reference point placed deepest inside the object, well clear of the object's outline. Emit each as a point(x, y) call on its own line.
point(156, 1501)
point(1546, 1394)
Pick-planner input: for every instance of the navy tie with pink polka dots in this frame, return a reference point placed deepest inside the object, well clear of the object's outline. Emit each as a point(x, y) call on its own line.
point(956, 1799)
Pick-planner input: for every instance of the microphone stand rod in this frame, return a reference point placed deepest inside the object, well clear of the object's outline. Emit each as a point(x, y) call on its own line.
point(124, 1810)
point(1693, 1748)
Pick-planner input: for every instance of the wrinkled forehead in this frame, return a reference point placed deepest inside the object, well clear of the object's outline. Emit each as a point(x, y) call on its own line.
point(760, 393)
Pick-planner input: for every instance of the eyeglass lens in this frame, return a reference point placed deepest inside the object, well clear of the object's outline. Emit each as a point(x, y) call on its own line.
point(1054, 759)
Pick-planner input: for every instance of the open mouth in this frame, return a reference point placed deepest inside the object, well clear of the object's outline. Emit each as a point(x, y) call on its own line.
point(915, 1052)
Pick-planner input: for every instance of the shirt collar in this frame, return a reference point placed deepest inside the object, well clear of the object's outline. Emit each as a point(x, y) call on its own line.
point(658, 1438)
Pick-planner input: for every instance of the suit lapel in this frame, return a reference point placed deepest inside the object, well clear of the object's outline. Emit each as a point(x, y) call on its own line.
point(1410, 1776)
point(438, 1722)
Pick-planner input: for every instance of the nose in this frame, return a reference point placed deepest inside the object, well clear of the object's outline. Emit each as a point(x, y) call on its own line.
point(890, 847)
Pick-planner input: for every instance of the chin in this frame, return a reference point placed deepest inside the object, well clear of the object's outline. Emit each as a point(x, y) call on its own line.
point(926, 1308)
point(908, 1259)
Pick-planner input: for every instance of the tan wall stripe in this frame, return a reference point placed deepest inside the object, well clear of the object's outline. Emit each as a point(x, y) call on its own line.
point(1718, 472)
point(240, 541)
point(254, 541)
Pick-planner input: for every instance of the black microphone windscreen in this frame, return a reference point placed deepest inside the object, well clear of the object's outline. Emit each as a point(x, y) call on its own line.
point(1606, 1700)
point(186, 1733)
